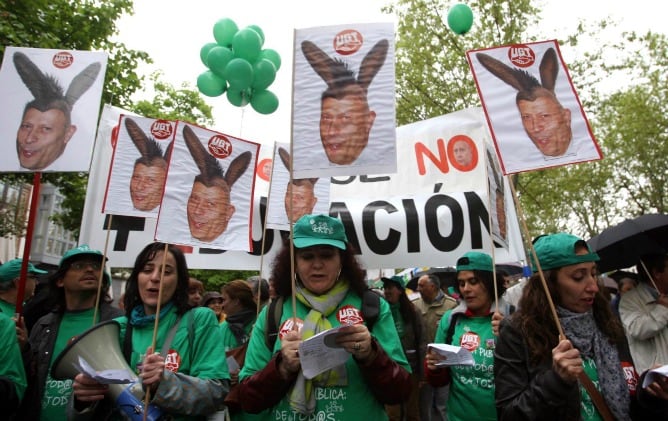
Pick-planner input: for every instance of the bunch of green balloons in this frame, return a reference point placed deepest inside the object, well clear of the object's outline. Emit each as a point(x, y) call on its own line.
point(240, 67)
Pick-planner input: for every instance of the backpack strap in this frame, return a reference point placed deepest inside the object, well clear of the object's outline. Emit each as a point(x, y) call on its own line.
point(274, 313)
point(451, 327)
point(370, 308)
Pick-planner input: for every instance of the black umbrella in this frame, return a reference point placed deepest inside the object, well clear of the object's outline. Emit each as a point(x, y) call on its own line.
point(622, 245)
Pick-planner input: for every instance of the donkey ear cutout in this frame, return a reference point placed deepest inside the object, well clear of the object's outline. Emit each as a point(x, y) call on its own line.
point(168, 151)
point(43, 87)
point(319, 60)
point(138, 137)
point(285, 157)
point(82, 82)
point(499, 69)
point(238, 166)
point(209, 167)
point(372, 62)
point(549, 67)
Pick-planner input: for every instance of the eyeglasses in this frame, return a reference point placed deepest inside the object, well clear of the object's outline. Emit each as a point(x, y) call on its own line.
point(81, 265)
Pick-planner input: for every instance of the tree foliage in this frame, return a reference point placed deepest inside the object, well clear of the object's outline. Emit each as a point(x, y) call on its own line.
point(90, 25)
point(433, 78)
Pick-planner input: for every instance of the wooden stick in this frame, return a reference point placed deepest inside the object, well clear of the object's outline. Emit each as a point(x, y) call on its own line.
point(100, 277)
point(147, 398)
point(530, 247)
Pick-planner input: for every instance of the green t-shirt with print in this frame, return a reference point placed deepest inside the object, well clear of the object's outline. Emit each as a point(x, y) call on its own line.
point(57, 392)
point(471, 395)
point(587, 407)
point(351, 402)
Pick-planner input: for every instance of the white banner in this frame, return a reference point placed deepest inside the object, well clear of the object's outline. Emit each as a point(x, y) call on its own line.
point(416, 217)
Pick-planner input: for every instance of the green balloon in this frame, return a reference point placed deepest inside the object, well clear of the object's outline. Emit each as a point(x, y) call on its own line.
point(218, 58)
point(264, 102)
point(204, 52)
point(239, 74)
point(238, 98)
point(272, 56)
point(247, 44)
point(224, 30)
point(259, 31)
point(264, 73)
point(460, 18)
point(210, 85)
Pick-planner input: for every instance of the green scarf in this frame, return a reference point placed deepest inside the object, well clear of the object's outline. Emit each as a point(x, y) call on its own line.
point(301, 396)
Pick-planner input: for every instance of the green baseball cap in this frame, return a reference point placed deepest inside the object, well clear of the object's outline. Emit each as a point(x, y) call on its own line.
point(319, 230)
point(82, 250)
point(558, 250)
point(475, 260)
point(12, 269)
point(399, 281)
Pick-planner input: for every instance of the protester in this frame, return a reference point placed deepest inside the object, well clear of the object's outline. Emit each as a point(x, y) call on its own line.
point(260, 288)
point(539, 375)
point(241, 311)
point(433, 303)
point(329, 288)
point(9, 285)
point(187, 378)
point(195, 291)
point(12, 375)
point(410, 327)
point(625, 282)
point(470, 326)
point(73, 289)
point(214, 301)
point(644, 313)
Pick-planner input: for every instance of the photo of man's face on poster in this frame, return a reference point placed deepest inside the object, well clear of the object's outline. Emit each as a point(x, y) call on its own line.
point(344, 81)
point(54, 89)
point(535, 117)
point(211, 176)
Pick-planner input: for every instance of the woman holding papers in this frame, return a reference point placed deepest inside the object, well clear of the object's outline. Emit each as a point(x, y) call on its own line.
point(469, 326)
point(329, 290)
point(186, 374)
point(542, 376)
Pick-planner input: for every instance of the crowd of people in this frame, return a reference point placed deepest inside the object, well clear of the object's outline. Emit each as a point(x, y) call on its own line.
point(560, 351)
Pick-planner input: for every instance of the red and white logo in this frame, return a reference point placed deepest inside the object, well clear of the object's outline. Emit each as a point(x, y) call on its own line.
point(348, 42)
point(349, 315)
point(631, 377)
point(161, 129)
point(289, 325)
point(173, 361)
point(62, 60)
point(521, 55)
point(220, 146)
point(470, 341)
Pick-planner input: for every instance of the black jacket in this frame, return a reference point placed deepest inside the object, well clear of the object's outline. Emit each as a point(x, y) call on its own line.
point(42, 340)
point(535, 392)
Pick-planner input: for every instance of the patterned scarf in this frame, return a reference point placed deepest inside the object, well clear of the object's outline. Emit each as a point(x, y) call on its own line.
point(301, 396)
point(581, 330)
point(237, 323)
point(139, 318)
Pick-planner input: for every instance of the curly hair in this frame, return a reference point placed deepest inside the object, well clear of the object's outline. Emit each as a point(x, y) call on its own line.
point(350, 270)
point(536, 320)
point(180, 298)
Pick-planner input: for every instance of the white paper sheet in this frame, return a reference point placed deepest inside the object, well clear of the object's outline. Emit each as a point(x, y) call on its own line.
point(455, 355)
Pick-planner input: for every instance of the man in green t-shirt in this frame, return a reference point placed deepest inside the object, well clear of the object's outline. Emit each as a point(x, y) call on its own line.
point(74, 286)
